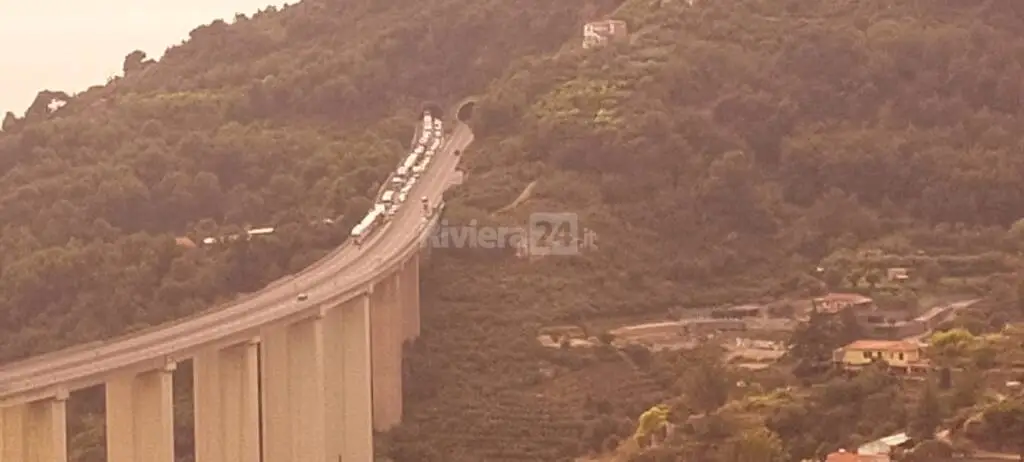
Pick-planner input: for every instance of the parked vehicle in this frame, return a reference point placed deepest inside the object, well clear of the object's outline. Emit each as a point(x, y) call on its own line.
point(370, 223)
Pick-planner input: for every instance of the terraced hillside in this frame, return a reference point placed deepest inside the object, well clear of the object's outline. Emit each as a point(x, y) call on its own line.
point(286, 118)
point(511, 427)
point(720, 153)
point(625, 390)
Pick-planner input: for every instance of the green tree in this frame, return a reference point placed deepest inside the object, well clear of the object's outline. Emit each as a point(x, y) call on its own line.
point(760, 445)
point(930, 450)
point(9, 123)
point(873, 278)
point(1016, 234)
point(707, 383)
point(930, 271)
point(1005, 424)
point(133, 62)
point(1020, 296)
point(967, 386)
point(927, 414)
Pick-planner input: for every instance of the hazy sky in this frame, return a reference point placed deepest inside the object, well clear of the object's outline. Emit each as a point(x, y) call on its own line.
point(64, 45)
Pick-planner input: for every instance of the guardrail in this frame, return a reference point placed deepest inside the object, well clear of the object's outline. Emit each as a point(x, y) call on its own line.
point(387, 182)
point(22, 389)
point(225, 309)
point(59, 384)
point(116, 352)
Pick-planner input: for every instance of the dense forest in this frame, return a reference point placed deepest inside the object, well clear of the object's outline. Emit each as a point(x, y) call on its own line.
point(720, 153)
point(283, 119)
point(287, 118)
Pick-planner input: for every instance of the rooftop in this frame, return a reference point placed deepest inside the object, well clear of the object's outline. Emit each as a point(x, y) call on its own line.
point(883, 446)
point(844, 298)
point(843, 456)
point(895, 440)
point(651, 325)
point(185, 242)
point(608, 22)
point(883, 345)
point(933, 312)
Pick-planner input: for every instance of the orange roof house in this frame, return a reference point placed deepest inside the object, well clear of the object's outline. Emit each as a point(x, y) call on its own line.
point(896, 353)
point(843, 456)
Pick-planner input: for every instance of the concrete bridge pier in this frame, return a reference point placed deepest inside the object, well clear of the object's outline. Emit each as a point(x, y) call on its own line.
point(410, 285)
point(35, 432)
point(386, 338)
point(140, 416)
point(292, 372)
point(316, 387)
point(348, 397)
point(226, 388)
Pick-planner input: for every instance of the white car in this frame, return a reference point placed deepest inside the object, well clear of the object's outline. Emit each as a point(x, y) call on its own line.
point(303, 297)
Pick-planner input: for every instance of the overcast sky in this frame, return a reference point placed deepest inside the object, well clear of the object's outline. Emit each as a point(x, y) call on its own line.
point(65, 45)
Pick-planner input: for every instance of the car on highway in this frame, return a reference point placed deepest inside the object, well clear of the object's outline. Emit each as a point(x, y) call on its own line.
point(78, 368)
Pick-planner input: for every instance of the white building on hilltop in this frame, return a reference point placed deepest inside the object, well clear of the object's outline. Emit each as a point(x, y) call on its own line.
point(599, 32)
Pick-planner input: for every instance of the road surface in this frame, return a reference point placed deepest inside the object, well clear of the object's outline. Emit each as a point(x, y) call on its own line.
point(346, 269)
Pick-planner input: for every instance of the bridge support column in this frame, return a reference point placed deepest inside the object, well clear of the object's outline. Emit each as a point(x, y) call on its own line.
point(386, 335)
point(411, 298)
point(424, 252)
point(292, 372)
point(227, 419)
point(35, 432)
point(349, 396)
point(140, 417)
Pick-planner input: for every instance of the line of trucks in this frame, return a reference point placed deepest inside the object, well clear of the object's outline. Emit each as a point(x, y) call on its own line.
point(396, 190)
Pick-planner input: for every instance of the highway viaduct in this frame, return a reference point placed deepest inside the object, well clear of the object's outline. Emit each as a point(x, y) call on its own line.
point(274, 378)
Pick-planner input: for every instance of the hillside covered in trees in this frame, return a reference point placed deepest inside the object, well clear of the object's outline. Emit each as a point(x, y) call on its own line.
point(282, 119)
point(720, 153)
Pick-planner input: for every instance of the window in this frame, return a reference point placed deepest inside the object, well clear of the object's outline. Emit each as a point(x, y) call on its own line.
point(901, 356)
point(867, 355)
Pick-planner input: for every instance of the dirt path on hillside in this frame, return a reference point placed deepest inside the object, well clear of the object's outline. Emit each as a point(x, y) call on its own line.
point(523, 197)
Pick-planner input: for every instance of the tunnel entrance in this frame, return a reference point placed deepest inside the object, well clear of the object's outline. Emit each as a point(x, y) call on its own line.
point(434, 109)
point(466, 111)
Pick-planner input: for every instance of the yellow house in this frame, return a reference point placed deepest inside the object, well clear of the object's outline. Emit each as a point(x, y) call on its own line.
point(894, 353)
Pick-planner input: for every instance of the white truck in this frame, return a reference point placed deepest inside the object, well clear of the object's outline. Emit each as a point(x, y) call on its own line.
point(368, 225)
point(410, 161)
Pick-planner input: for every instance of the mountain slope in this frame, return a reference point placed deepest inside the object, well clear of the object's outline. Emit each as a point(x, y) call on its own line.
point(282, 119)
point(719, 154)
